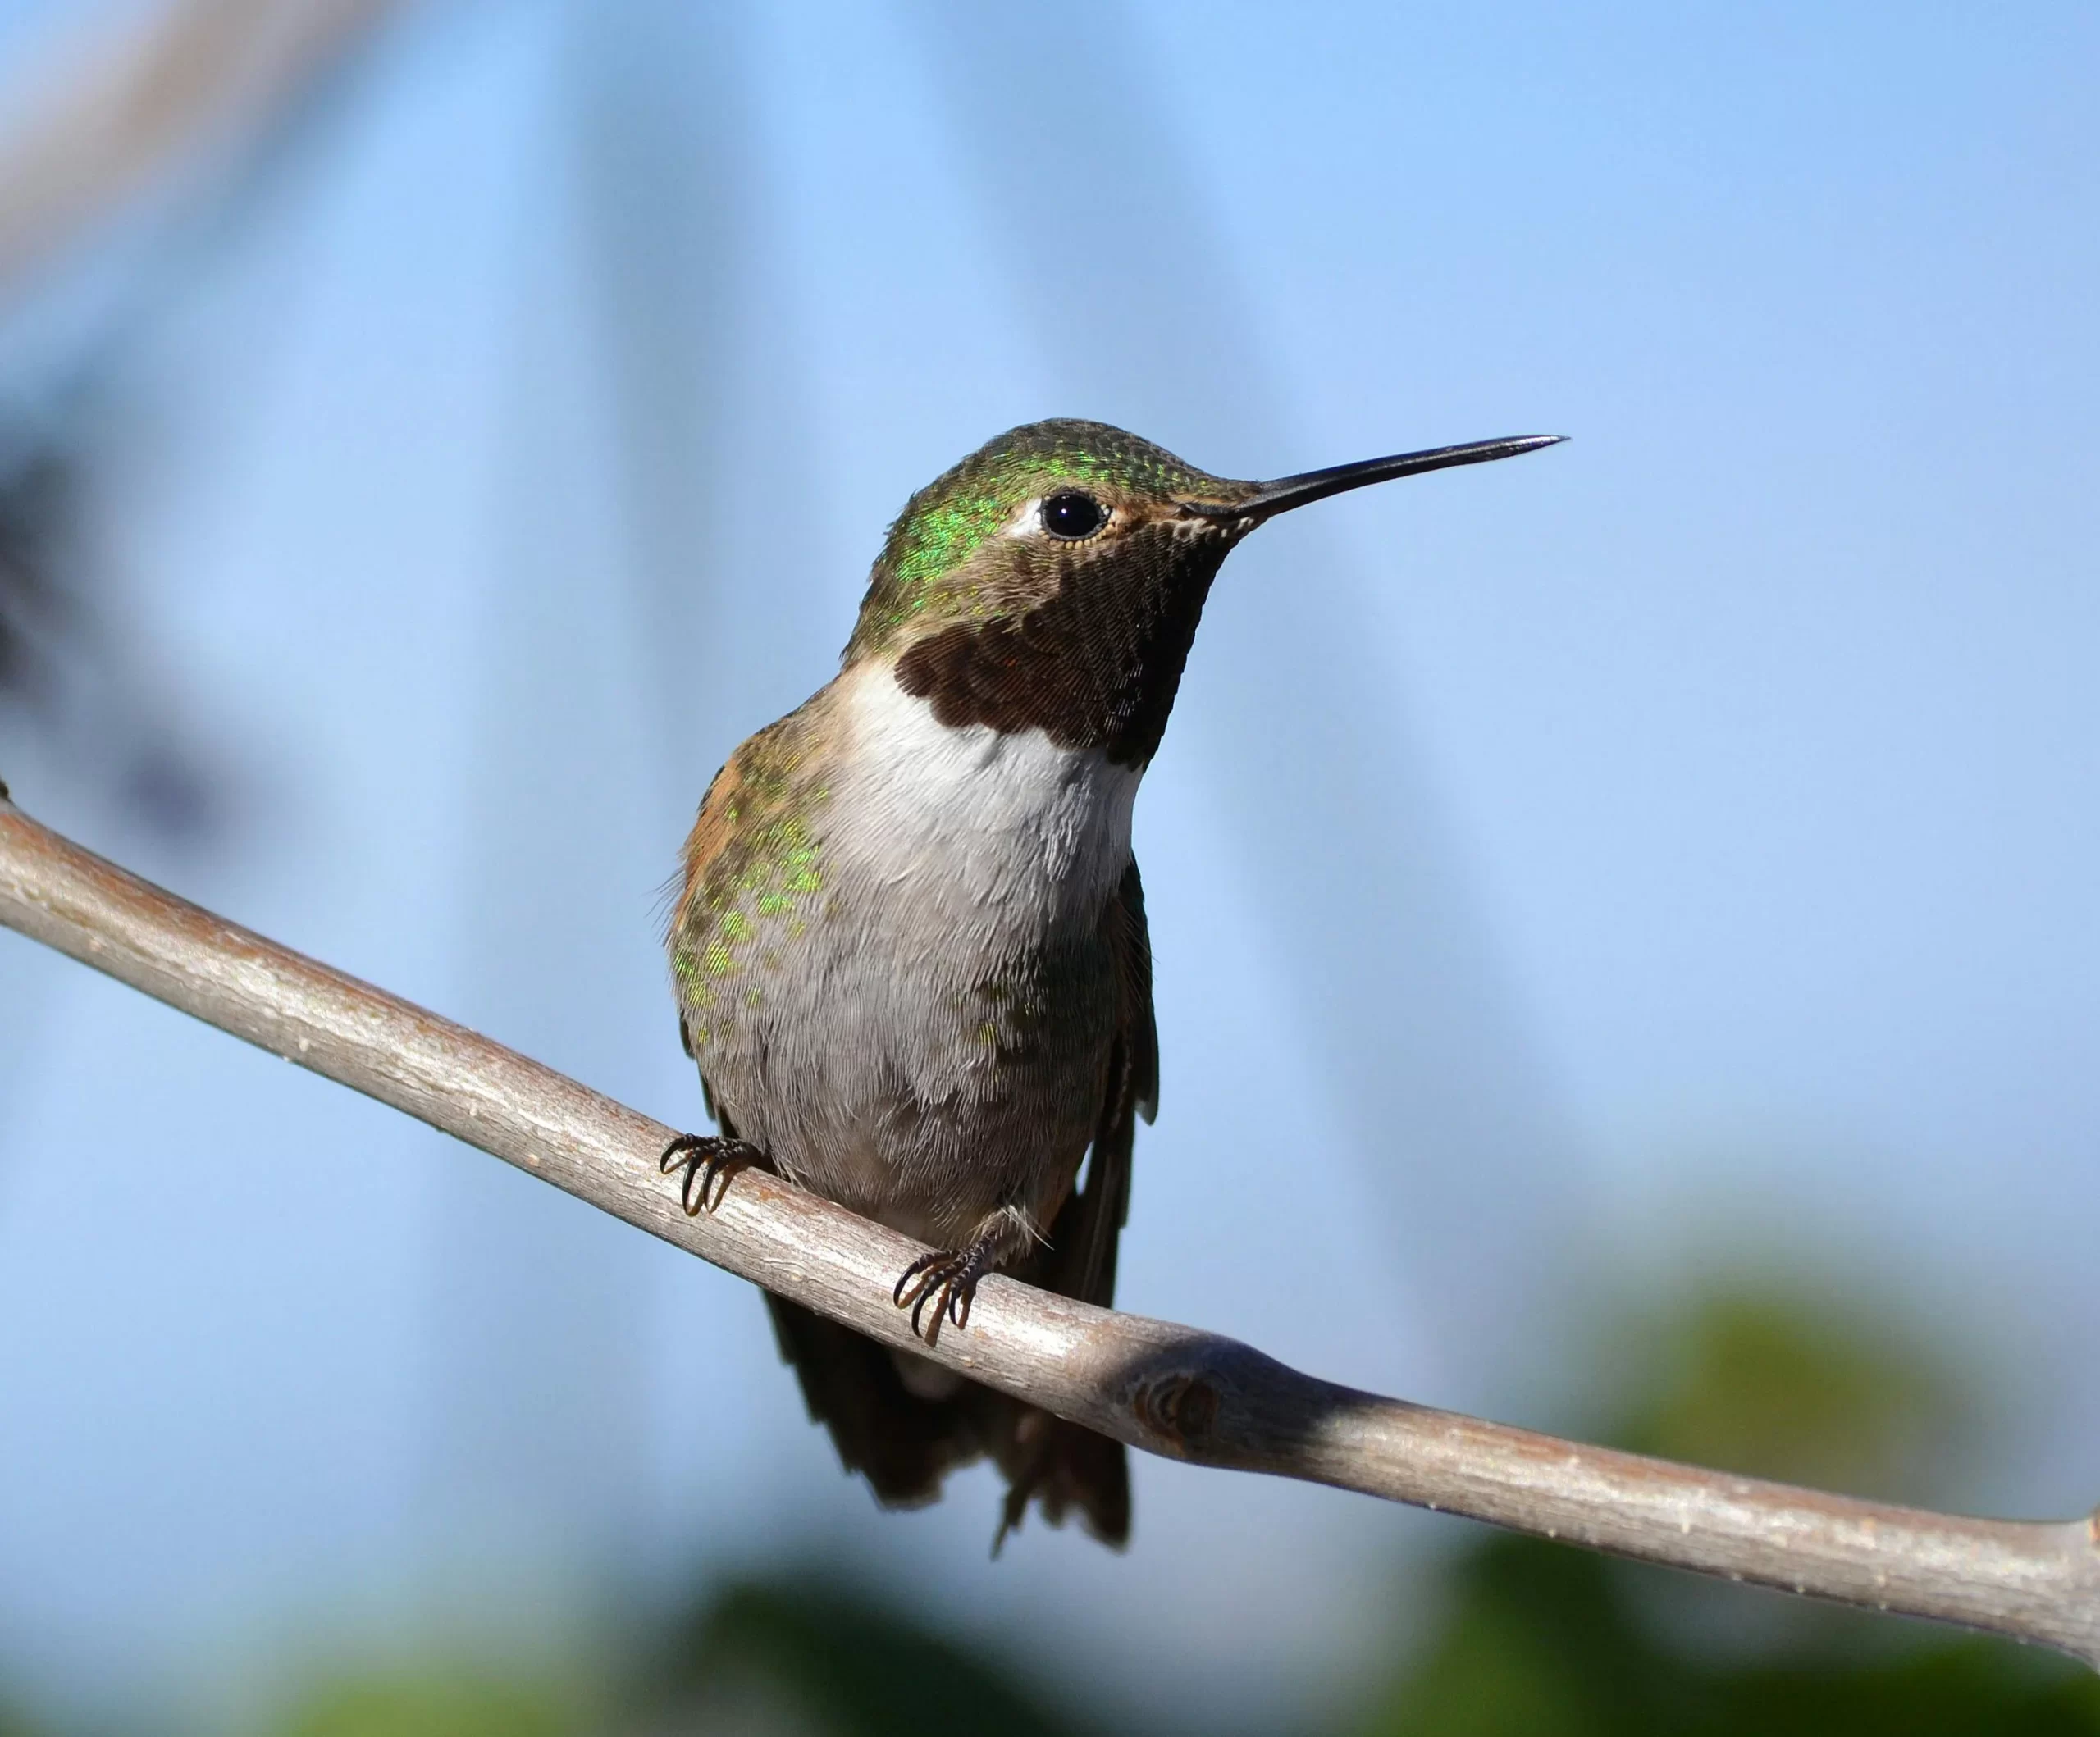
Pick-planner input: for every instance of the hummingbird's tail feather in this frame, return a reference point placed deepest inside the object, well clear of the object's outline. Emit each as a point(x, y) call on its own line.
point(1060, 1466)
point(906, 1445)
point(903, 1446)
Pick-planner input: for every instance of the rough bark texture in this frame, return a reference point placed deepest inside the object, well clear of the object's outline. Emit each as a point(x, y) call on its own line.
point(1169, 1390)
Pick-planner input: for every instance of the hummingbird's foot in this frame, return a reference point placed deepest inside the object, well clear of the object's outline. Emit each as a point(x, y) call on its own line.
point(704, 1159)
point(947, 1279)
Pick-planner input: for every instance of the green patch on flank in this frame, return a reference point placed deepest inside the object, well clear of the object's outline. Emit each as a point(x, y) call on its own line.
point(754, 888)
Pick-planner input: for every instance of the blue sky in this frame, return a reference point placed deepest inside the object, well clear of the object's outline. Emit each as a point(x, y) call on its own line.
point(1564, 874)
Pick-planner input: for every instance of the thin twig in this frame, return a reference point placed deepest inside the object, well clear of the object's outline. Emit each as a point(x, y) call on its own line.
point(1170, 1390)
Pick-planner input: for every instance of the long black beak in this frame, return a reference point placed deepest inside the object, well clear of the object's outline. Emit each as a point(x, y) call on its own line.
point(1287, 492)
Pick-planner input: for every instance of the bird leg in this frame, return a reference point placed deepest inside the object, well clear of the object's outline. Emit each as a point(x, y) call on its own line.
point(703, 1158)
point(948, 1278)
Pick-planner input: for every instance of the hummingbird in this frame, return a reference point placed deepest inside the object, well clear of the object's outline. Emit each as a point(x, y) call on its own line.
point(909, 941)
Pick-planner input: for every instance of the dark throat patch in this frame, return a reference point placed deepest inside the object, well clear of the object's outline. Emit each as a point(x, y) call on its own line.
point(1096, 664)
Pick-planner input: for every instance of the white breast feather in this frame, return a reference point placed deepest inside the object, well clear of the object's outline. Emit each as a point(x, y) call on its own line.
point(972, 826)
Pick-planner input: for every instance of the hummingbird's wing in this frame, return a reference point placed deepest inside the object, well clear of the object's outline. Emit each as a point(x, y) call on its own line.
point(1140, 1028)
point(1084, 1238)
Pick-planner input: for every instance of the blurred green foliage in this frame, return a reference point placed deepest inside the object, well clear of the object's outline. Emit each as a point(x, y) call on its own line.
point(440, 1702)
point(847, 1662)
point(1542, 1641)
point(1811, 1389)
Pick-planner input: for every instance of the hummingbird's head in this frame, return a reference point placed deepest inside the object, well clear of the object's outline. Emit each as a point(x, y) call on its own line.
point(1054, 578)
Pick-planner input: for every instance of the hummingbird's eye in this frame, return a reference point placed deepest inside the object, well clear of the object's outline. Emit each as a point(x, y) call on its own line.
point(1073, 515)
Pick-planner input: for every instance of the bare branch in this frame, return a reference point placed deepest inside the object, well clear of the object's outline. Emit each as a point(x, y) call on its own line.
point(1167, 1389)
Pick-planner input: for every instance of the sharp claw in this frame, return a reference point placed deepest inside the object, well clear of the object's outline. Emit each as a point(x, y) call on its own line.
point(920, 1269)
point(947, 1280)
point(705, 1159)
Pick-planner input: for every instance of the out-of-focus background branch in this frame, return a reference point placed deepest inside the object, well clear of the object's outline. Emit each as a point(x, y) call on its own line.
point(131, 103)
point(1642, 897)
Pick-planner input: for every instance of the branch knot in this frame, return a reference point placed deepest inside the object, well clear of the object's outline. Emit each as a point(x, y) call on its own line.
point(1181, 1407)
